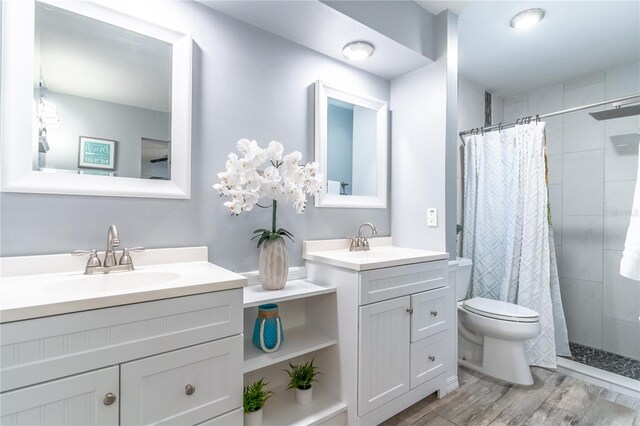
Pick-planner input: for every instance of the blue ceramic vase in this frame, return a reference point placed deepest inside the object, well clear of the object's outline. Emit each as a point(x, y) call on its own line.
point(267, 332)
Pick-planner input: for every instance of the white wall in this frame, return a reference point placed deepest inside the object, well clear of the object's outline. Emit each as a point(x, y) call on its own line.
point(420, 103)
point(124, 124)
point(592, 171)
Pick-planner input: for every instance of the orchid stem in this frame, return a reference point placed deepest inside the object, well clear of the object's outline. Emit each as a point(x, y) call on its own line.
point(273, 216)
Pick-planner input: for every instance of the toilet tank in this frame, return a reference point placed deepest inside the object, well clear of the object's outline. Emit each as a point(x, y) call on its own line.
point(463, 277)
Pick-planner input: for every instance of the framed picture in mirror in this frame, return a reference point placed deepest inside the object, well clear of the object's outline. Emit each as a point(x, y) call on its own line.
point(96, 153)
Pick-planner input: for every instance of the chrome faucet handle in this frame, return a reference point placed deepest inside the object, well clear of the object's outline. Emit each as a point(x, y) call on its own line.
point(365, 243)
point(126, 258)
point(93, 257)
point(354, 241)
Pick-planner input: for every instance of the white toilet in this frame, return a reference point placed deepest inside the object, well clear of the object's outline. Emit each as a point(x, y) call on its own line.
point(491, 333)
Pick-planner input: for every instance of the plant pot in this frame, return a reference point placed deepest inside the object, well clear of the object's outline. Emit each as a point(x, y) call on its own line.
point(253, 419)
point(304, 396)
point(273, 265)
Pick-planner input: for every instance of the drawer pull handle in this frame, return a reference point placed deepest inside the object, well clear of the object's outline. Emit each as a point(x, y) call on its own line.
point(109, 399)
point(189, 389)
point(434, 313)
point(410, 310)
point(432, 358)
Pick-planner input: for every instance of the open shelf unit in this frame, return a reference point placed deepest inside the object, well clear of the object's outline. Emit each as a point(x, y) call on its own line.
point(310, 312)
point(283, 409)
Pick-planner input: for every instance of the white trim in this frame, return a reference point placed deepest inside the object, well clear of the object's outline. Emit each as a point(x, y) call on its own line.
point(16, 98)
point(322, 92)
point(596, 376)
point(452, 384)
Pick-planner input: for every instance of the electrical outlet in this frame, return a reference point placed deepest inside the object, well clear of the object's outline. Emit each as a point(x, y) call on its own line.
point(432, 217)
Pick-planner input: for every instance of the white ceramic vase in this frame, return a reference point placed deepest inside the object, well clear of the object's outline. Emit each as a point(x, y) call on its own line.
point(253, 419)
point(273, 265)
point(304, 397)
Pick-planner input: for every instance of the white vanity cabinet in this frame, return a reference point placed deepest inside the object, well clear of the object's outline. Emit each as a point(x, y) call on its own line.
point(396, 334)
point(172, 361)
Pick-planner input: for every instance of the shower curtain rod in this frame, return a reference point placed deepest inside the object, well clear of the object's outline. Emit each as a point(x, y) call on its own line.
point(541, 116)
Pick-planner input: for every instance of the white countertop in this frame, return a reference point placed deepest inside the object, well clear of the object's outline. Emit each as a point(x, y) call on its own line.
point(63, 291)
point(382, 254)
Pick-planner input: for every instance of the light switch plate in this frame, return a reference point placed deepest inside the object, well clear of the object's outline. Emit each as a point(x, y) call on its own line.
point(432, 217)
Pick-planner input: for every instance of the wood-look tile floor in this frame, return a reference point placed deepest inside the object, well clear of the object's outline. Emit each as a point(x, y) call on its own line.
point(554, 399)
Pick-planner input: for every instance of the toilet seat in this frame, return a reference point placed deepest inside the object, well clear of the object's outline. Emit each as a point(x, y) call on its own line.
point(500, 310)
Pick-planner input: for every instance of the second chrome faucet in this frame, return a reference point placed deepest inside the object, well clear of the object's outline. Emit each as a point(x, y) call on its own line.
point(110, 263)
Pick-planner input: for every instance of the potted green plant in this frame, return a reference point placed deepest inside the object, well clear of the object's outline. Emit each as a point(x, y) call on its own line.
point(300, 378)
point(254, 399)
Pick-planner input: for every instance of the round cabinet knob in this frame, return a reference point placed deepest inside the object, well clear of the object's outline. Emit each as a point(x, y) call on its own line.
point(434, 313)
point(432, 358)
point(189, 389)
point(109, 399)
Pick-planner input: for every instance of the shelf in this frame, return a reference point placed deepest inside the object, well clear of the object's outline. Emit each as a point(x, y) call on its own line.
point(255, 295)
point(297, 341)
point(282, 409)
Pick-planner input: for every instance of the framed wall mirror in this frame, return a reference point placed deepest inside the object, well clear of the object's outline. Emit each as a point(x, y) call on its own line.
point(94, 102)
point(351, 147)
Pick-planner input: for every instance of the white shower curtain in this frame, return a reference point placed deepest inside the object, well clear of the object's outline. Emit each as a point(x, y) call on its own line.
point(507, 231)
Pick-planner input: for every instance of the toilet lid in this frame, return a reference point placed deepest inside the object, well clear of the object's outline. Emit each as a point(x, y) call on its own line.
point(500, 310)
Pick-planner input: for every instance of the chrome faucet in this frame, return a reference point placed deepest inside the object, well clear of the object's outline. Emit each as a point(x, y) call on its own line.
point(361, 243)
point(110, 264)
point(113, 240)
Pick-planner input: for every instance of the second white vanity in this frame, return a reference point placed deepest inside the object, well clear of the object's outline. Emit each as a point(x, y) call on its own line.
point(396, 324)
point(161, 344)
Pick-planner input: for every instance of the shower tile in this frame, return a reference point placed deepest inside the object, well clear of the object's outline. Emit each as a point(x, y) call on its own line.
point(621, 148)
point(623, 81)
point(516, 107)
point(582, 247)
point(618, 200)
point(547, 99)
point(621, 337)
point(555, 168)
point(555, 199)
point(581, 131)
point(559, 260)
point(583, 180)
point(582, 302)
point(555, 128)
point(621, 295)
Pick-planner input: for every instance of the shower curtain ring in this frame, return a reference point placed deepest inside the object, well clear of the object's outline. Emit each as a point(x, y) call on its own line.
point(499, 127)
point(537, 118)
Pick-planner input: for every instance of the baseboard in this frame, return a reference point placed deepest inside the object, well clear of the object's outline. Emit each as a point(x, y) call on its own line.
point(452, 383)
point(596, 376)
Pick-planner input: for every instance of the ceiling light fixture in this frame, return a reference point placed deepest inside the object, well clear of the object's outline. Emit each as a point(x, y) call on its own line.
point(527, 18)
point(358, 50)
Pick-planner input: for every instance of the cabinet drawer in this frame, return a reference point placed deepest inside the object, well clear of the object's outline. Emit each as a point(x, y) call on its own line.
point(431, 311)
point(154, 390)
point(428, 358)
point(42, 349)
point(388, 283)
point(75, 400)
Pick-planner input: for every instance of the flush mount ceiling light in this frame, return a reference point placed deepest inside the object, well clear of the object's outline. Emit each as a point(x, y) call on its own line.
point(358, 50)
point(527, 18)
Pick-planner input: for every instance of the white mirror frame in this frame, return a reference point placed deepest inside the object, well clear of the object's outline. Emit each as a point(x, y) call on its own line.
point(16, 108)
point(323, 199)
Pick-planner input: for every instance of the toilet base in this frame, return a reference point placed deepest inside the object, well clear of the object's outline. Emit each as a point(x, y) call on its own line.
point(502, 359)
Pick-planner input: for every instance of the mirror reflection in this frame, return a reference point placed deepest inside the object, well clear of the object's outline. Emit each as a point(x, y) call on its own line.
point(102, 98)
point(351, 149)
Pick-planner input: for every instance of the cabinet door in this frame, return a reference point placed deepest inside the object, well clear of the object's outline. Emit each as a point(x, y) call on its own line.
point(187, 386)
point(384, 353)
point(75, 400)
point(430, 313)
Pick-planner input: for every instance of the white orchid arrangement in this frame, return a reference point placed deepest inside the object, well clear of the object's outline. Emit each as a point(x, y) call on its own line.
point(284, 179)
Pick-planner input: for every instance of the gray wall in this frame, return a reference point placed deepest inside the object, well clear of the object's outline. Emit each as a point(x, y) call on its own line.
point(124, 124)
point(247, 83)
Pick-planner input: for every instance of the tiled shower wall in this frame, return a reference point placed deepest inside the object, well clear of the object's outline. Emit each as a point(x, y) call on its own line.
point(592, 172)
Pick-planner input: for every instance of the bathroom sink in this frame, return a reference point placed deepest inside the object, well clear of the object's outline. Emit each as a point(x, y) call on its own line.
point(382, 254)
point(36, 286)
